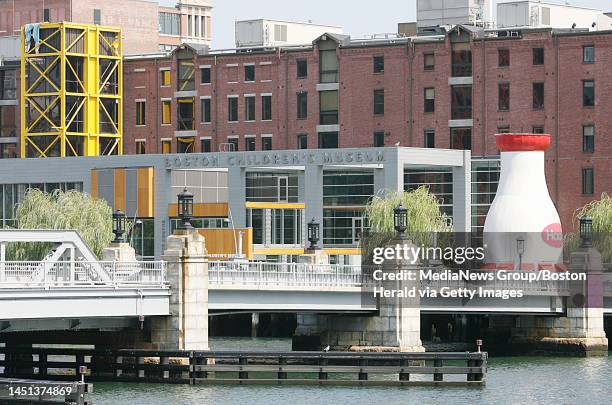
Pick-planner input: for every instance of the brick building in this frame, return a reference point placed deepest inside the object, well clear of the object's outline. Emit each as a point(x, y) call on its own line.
point(448, 91)
point(146, 26)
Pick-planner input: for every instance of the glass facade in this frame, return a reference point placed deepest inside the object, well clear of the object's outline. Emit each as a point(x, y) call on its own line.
point(271, 187)
point(206, 186)
point(485, 178)
point(343, 227)
point(276, 226)
point(347, 187)
point(11, 194)
point(439, 181)
point(143, 238)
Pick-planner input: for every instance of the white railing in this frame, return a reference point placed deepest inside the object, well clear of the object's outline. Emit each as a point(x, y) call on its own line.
point(41, 274)
point(222, 273)
point(262, 274)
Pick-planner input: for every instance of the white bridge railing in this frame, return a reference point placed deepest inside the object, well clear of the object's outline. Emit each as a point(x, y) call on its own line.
point(262, 274)
point(61, 274)
point(221, 273)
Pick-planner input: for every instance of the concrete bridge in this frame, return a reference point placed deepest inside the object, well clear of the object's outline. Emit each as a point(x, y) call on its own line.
point(176, 296)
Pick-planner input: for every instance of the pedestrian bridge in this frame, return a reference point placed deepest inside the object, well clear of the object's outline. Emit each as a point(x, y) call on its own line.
point(293, 287)
point(80, 289)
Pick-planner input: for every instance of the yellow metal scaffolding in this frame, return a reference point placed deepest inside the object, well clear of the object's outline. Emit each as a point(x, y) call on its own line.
point(71, 90)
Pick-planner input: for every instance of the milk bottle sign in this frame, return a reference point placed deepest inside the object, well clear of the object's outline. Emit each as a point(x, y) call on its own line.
point(522, 227)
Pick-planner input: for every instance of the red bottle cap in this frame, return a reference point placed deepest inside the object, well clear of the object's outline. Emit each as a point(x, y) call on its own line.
point(522, 142)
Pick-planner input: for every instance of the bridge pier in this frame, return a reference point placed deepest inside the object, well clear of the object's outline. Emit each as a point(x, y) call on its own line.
point(581, 331)
point(187, 326)
point(396, 326)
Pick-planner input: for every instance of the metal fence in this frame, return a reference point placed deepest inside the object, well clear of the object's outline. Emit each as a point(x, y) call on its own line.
point(60, 274)
point(264, 274)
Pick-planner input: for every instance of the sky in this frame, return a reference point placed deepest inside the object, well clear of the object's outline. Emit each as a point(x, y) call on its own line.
point(356, 16)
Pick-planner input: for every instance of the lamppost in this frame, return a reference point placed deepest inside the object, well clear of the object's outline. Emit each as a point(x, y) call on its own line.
point(118, 226)
point(185, 209)
point(313, 234)
point(586, 231)
point(520, 249)
point(400, 221)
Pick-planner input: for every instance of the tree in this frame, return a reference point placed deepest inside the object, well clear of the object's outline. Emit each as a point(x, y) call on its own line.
point(425, 219)
point(91, 218)
point(600, 211)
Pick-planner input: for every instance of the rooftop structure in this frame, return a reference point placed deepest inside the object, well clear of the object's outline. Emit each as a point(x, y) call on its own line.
point(536, 13)
point(272, 33)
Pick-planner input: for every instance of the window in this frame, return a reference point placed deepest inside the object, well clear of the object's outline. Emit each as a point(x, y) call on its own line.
point(97, 16)
point(205, 145)
point(232, 109)
point(379, 64)
point(503, 94)
point(588, 138)
point(588, 93)
point(280, 32)
point(329, 66)
point(503, 57)
point(347, 187)
point(266, 143)
point(140, 147)
point(438, 181)
point(538, 95)
point(249, 143)
point(379, 139)
point(379, 102)
point(46, 15)
point(302, 105)
point(249, 73)
point(538, 129)
point(461, 138)
point(165, 77)
point(266, 108)
point(328, 104)
point(430, 101)
point(429, 138)
point(205, 75)
point(166, 115)
point(504, 129)
point(186, 81)
point(169, 23)
point(185, 114)
point(429, 61)
point(302, 68)
point(249, 108)
point(588, 181)
point(461, 60)
point(8, 84)
point(328, 140)
point(538, 56)
point(588, 54)
point(8, 150)
point(185, 145)
point(140, 113)
point(461, 102)
point(545, 15)
point(165, 147)
point(233, 143)
point(205, 106)
point(302, 141)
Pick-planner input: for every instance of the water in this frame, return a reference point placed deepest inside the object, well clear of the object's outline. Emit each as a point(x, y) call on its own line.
point(510, 380)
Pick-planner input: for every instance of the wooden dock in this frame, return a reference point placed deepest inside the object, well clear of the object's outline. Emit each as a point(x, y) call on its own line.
point(239, 367)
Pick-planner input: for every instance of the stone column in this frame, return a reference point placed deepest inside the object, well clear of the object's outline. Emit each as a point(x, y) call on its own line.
point(581, 331)
point(187, 272)
point(396, 326)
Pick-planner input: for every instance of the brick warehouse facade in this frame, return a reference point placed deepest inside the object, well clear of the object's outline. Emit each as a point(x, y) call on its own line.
point(467, 72)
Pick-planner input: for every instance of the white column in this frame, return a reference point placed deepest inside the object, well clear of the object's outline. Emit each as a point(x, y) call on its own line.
point(462, 195)
point(2, 260)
